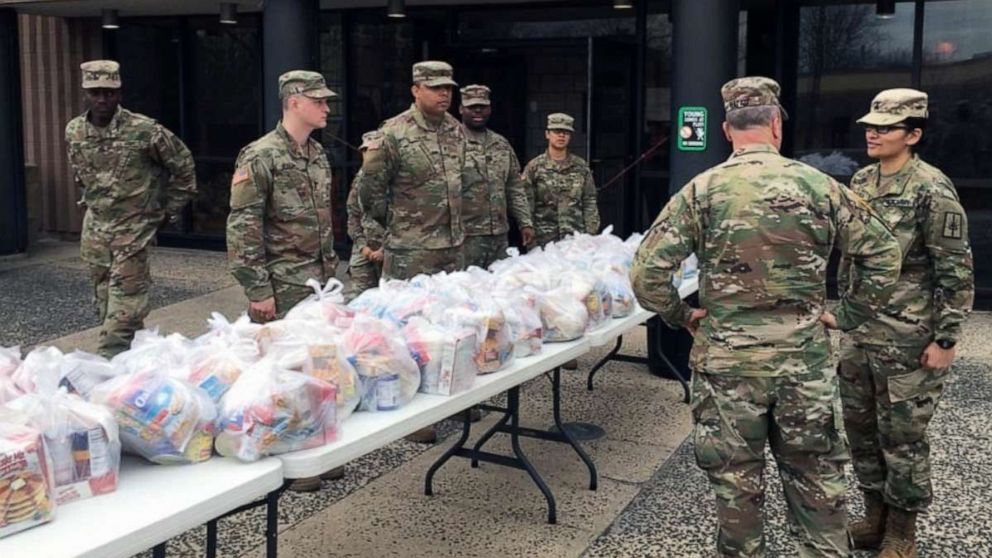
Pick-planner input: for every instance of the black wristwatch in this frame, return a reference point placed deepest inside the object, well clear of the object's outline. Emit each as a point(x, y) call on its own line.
point(946, 343)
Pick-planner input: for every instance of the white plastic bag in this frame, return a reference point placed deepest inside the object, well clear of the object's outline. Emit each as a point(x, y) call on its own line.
point(80, 372)
point(446, 356)
point(40, 365)
point(270, 411)
point(564, 317)
point(388, 374)
point(27, 487)
point(493, 335)
point(327, 361)
point(523, 317)
point(326, 304)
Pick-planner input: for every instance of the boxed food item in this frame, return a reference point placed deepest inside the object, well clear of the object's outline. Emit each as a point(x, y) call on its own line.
point(80, 372)
point(327, 362)
point(27, 496)
point(446, 357)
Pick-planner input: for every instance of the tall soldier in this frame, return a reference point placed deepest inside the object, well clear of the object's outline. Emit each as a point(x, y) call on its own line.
point(279, 232)
point(492, 178)
point(136, 176)
point(412, 185)
point(412, 181)
point(365, 265)
point(560, 186)
point(763, 227)
point(893, 368)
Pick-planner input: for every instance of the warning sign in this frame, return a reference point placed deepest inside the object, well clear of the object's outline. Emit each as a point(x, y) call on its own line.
point(692, 129)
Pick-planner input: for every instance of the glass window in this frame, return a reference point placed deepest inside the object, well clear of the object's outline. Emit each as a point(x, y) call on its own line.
point(148, 51)
point(957, 75)
point(543, 23)
point(846, 56)
point(340, 152)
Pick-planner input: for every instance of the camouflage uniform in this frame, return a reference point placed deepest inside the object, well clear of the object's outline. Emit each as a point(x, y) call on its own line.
point(562, 194)
point(364, 232)
point(412, 186)
point(279, 232)
point(134, 173)
point(763, 227)
point(888, 397)
point(492, 178)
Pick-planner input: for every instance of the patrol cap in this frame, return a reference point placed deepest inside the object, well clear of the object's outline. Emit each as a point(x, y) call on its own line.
point(561, 121)
point(433, 73)
point(895, 105)
point(101, 74)
point(304, 82)
point(475, 95)
point(369, 138)
point(751, 91)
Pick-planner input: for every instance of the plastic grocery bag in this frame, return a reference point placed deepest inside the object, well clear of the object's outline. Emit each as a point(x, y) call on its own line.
point(214, 366)
point(327, 361)
point(80, 372)
point(493, 335)
point(161, 418)
point(563, 315)
point(446, 356)
point(151, 352)
point(326, 304)
point(41, 364)
point(388, 375)
point(523, 318)
point(270, 411)
point(27, 487)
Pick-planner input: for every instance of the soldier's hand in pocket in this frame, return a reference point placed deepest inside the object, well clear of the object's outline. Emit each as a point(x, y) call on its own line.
point(694, 318)
point(829, 320)
point(935, 358)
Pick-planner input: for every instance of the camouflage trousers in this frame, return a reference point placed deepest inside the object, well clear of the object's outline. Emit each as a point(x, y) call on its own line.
point(889, 400)
point(799, 416)
point(120, 294)
point(483, 250)
point(364, 273)
point(406, 264)
point(288, 295)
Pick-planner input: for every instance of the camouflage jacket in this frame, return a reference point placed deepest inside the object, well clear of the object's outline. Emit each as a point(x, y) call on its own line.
point(362, 230)
point(280, 222)
point(492, 178)
point(133, 173)
point(936, 286)
point(562, 197)
point(763, 227)
point(413, 181)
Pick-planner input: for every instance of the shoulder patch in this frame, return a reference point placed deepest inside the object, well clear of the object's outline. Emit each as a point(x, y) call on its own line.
point(241, 175)
point(953, 224)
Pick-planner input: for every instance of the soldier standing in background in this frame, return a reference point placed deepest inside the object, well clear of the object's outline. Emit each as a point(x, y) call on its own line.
point(136, 176)
point(763, 227)
point(412, 185)
point(279, 232)
point(560, 186)
point(365, 265)
point(492, 178)
point(893, 368)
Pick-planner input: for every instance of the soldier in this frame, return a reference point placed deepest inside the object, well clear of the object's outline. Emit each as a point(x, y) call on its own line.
point(763, 227)
point(136, 176)
point(279, 232)
point(412, 180)
point(893, 368)
point(492, 177)
point(365, 266)
point(560, 186)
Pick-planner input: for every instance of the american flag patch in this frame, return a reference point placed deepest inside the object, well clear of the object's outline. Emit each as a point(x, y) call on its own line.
point(240, 175)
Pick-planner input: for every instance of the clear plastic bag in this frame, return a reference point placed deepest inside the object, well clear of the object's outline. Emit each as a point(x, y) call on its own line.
point(270, 411)
point(523, 317)
point(622, 293)
point(27, 485)
point(214, 367)
point(494, 340)
point(564, 317)
point(10, 360)
point(80, 372)
point(446, 356)
point(151, 352)
point(82, 441)
point(326, 304)
point(40, 365)
point(239, 335)
point(161, 418)
point(327, 361)
point(287, 341)
point(388, 375)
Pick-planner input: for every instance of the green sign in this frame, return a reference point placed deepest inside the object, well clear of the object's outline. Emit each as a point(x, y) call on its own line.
point(692, 129)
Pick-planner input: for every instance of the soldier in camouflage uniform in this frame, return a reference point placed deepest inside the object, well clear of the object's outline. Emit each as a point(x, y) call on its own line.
point(763, 227)
point(365, 265)
point(492, 178)
point(279, 231)
point(136, 176)
point(412, 182)
point(560, 186)
point(893, 367)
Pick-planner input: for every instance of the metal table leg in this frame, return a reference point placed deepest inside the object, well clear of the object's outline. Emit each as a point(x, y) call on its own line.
point(609, 356)
point(565, 434)
point(452, 451)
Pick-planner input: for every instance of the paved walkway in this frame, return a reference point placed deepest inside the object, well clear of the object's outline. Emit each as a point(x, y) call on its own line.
point(652, 500)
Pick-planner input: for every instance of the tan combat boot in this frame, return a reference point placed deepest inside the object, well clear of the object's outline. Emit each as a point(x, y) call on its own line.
point(900, 535)
point(866, 533)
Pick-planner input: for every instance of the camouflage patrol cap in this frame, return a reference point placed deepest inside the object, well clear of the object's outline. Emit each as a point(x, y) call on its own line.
point(433, 73)
point(304, 82)
point(475, 95)
point(895, 105)
point(101, 74)
point(369, 138)
point(751, 91)
point(561, 121)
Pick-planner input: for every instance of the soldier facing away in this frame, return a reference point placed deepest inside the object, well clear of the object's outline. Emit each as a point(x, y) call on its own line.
point(492, 182)
point(893, 368)
point(136, 176)
point(367, 236)
point(560, 186)
point(763, 227)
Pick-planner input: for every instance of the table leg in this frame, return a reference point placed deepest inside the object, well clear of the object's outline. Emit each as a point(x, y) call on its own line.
point(500, 426)
point(212, 538)
point(466, 428)
point(678, 376)
point(272, 524)
point(609, 356)
point(556, 409)
point(513, 404)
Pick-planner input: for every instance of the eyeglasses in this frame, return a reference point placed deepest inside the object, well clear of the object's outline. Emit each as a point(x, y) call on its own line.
point(882, 130)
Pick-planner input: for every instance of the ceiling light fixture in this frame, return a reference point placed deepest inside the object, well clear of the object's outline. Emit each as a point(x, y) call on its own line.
point(396, 8)
point(228, 13)
point(885, 9)
point(623, 4)
point(110, 20)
